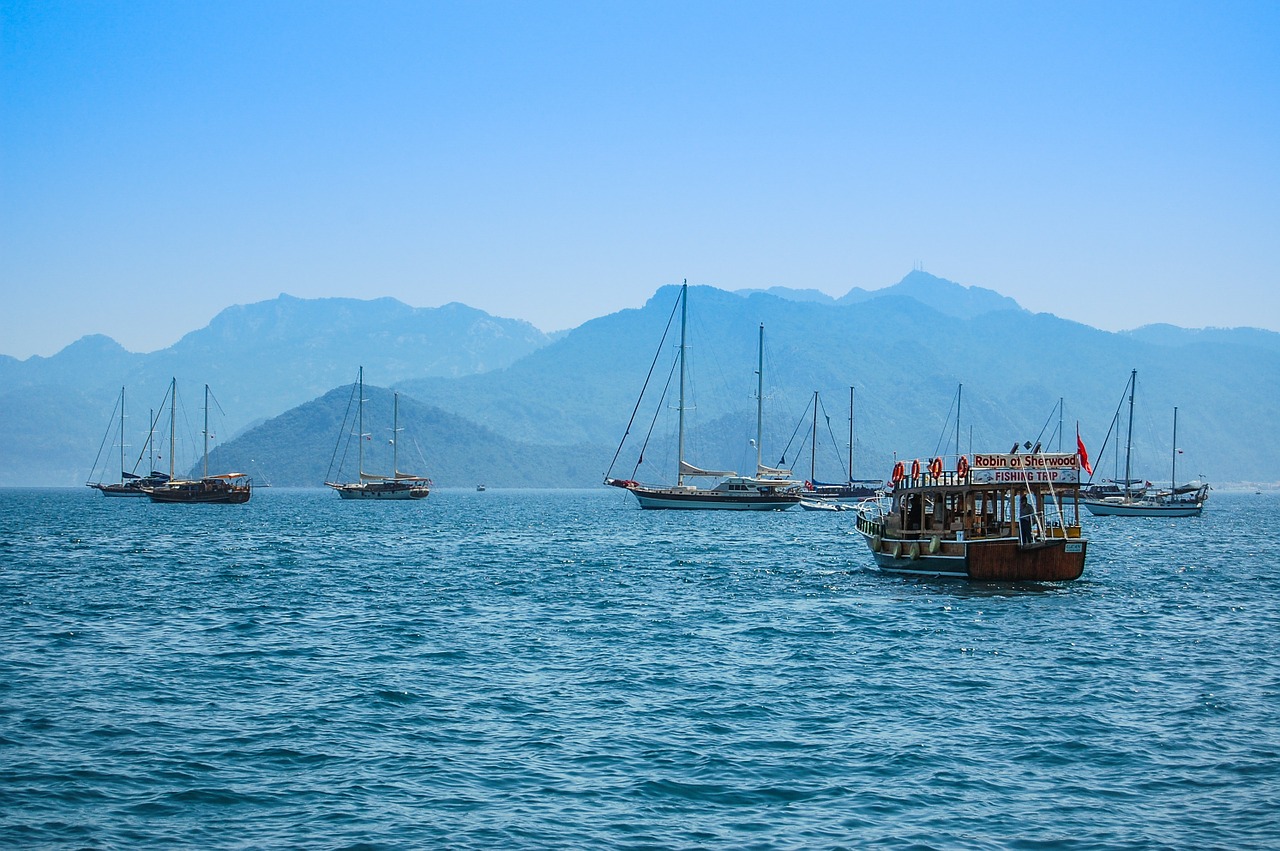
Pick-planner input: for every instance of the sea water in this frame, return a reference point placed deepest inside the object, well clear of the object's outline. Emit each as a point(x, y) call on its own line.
point(559, 669)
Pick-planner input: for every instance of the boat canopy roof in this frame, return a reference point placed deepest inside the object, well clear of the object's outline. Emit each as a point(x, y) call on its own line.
point(687, 469)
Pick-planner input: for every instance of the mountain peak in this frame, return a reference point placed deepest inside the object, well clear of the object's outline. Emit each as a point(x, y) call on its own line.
point(942, 295)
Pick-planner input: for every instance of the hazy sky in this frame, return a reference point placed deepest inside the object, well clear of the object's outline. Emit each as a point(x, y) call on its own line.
point(1113, 163)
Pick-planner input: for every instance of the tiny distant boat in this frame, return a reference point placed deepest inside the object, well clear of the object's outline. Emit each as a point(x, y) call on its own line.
point(1130, 497)
point(397, 486)
point(224, 488)
point(480, 487)
point(1002, 518)
point(771, 489)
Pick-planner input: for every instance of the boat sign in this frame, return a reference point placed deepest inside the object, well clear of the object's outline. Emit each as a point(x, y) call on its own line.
point(1052, 468)
point(1044, 461)
point(1016, 477)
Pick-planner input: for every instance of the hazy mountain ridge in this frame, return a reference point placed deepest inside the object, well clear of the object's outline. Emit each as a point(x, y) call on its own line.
point(948, 297)
point(263, 357)
point(1171, 335)
point(816, 296)
point(564, 403)
point(384, 334)
point(74, 364)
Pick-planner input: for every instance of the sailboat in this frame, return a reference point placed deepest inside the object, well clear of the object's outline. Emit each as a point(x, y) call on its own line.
point(1134, 498)
point(850, 491)
point(223, 488)
point(769, 489)
point(373, 486)
point(130, 484)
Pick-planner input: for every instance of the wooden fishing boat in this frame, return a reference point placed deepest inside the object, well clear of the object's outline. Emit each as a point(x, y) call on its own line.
point(1004, 518)
point(224, 488)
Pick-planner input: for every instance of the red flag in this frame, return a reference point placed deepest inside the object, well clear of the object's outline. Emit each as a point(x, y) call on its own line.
point(1083, 453)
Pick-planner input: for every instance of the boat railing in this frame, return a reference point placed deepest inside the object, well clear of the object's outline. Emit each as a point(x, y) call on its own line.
point(948, 479)
point(871, 513)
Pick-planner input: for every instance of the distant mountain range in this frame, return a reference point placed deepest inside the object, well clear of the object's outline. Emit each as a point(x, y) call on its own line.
point(264, 357)
point(495, 400)
point(938, 293)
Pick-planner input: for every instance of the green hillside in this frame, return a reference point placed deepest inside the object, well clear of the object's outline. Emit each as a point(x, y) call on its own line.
point(296, 448)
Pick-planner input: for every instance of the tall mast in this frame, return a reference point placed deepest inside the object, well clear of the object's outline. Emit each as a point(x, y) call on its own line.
point(760, 400)
point(684, 311)
point(959, 390)
point(206, 432)
point(1059, 424)
point(851, 435)
point(395, 436)
point(813, 445)
point(1115, 455)
point(1128, 442)
point(151, 440)
point(1173, 484)
point(122, 434)
point(360, 426)
point(173, 413)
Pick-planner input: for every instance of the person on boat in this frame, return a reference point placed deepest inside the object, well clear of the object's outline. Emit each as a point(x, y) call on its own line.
point(1025, 513)
point(912, 511)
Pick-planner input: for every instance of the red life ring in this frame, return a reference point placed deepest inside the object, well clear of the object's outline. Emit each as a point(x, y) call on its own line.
point(962, 466)
point(899, 472)
point(935, 467)
point(915, 469)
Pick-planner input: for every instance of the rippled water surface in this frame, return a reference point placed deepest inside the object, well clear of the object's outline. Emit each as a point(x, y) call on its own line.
point(561, 669)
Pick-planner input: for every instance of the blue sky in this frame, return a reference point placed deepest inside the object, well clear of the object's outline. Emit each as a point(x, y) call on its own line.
point(1113, 163)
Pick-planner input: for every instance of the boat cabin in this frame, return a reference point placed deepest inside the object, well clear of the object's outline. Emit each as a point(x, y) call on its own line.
point(1028, 497)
